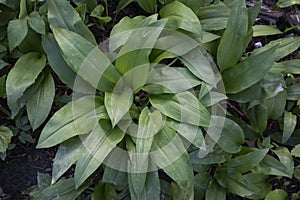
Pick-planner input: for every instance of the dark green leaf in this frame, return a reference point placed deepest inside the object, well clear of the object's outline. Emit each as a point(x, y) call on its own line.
point(37, 23)
point(201, 183)
point(62, 15)
point(5, 137)
point(258, 116)
point(215, 192)
point(277, 194)
point(289, 125)
point(276, 105)
point(104, 191)
point(147, 5)
point(293, 92)
point(234, 40)
point(249, 71)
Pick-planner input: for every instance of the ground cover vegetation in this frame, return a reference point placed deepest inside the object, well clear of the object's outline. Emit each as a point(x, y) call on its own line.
point(149, 99)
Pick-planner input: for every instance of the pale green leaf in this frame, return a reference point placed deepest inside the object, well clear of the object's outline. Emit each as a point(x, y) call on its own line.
point(5, 137)
point(99, 143)
point(16, 32)
point(265, 30)
point(183, 107)
point(296, 151)
point(277, 194)
point(289, 125)
point(86, 60)
point(18, 79)
point(287, 3)
point(293, 92)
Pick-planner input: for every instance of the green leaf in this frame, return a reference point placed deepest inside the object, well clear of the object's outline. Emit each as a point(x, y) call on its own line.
point(276, 105)
point(147, 5)
point(287, 3)
point(296, 151)
point(76, 118)
point(97, 12)
point(258, 116)
point(90, 4)
point(234, 40)
point(67, 154)
point(249, 71)
point(14, 4)
point(277, 194)
point(99, 143)
point(201, 183)
point(226, 133)
point(181, 17)
point(23, 9)
point(5, 137)
point(37, 23)
point(118, 103)
point(289, 125)
point(285, 47)
point(60, 67)
point(170, 80)
point(78, 52)
point(265, 30)
point(116, 177)
point(64, 189)
point(190, 132)
point(260, 181)
point(215, 192)
point(2, 86)
point(18, 79)
point(16, 32)
point(104, 191)
point(286, 159)
point(62, 15)
point(202, 157)
point(236, 183)
point(293, 92)
point(246, 162)
point(123, 4)
point(39, 105)
point(183, 107)
point(169, 154)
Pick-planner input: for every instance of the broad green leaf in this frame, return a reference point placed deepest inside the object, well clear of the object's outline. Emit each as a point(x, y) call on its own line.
point(258, 116)
point(87, 60)
point(289, 125)
point(5, 137)
point(286, 159)
point(293, 92)
point(296, 151)
point(289, 66)
point(234, 40)
point(31, 43)
point(287, 3)
point(181, 17)
point(236, 183)
point(16, 32)
point(201, 183)
point(135, 52)
point(277, 194)
point(272, 166)
point(276, 105)
point(43, 180)
point(104, 191)
point(190, 132)
point(249, 71)
point(60, 67)
point(76, 118)
point(171, 79)
point(63, 189)
point(199, 62)
point(62, 15)
point(265, 30)
point(18, 79)
point(202, 157)
point(99, 143)
point(67, 154)
point(254, 92)
point(226, 133)
point(147, 5)
point(37, 23)
point(90, 4)
point(183, 107)
point(118, 103)
point(285, 47)
point(169, 154)
point(39, 105)
point(246, 162)
point(215, 192)
point(260, 181)
point(123, 4)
